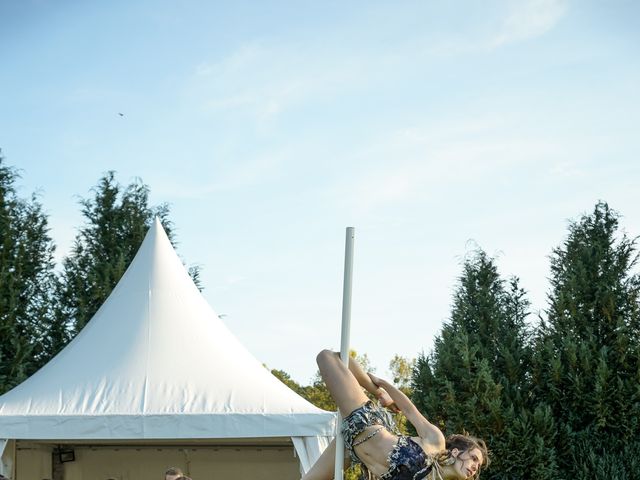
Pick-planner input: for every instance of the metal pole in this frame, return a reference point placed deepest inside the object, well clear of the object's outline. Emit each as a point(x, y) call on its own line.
point(344, 338)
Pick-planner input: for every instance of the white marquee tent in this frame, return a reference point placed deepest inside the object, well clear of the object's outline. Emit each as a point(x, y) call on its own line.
point(156, 364)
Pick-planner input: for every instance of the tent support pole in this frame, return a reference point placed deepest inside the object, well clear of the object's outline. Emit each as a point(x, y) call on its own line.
point(344, 339)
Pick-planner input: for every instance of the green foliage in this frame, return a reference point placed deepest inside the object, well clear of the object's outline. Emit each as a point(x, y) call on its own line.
point(116, 222)
point(318, 394)
point(28, 330)
point(587, 357)
point(402, 370)
point(476, 380)
point(285, 378)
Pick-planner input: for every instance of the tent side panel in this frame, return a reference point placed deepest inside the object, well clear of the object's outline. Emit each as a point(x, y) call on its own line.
point(309, 450)
point(8, 454)
point(33, 462)
point(147, 463)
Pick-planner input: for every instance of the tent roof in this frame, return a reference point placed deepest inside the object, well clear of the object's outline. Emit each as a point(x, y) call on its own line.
point(156, 362)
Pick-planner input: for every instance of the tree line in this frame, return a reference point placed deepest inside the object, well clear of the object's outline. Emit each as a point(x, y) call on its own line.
point(555, 396)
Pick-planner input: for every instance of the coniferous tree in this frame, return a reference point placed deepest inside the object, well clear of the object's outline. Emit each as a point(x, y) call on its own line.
point(587, 367)
point(116, 222)
point(28, 331)
point(475, 380)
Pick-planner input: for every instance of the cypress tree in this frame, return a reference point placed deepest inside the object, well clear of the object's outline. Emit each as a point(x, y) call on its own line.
point(475, 380)
point(29, 334)
point(587, 367)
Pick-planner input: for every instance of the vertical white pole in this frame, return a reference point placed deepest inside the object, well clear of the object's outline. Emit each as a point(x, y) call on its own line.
point(344, 338)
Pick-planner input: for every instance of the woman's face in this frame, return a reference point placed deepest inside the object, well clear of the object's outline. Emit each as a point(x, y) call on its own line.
point(468, 462)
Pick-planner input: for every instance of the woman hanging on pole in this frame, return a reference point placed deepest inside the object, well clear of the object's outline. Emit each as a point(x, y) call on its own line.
point(372, 439)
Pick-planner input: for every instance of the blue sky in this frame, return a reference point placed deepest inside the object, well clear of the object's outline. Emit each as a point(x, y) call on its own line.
point(432, 127)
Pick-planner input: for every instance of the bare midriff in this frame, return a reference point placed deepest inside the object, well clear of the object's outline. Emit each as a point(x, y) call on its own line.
point(375, 449)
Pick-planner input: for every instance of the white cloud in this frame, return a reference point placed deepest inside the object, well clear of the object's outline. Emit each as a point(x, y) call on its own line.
point(266, 80)
point(415, 164)
point(526, 19)
point(529, 19)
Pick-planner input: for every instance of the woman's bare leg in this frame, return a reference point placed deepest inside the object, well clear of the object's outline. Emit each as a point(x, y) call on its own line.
point(362, 377)
point(345, 385)
point(340, 382)
point(324, 468)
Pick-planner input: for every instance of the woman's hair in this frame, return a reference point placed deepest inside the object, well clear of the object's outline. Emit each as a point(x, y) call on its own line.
point(464, 443)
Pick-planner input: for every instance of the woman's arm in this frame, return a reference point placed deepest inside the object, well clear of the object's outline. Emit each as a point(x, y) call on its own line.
point(425, 429)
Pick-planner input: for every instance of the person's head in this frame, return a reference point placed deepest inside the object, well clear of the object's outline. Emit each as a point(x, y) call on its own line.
point(464, 456)
point(173, 473)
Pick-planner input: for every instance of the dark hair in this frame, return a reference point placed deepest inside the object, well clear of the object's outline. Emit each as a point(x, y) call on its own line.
point(464, 443)
point(173, 471)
